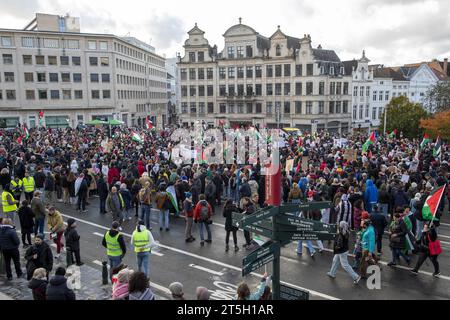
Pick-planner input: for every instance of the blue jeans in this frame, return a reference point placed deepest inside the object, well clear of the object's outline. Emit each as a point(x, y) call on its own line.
point(113, 262)
point(102, 205)
point(142, 262)
point(208, 230)
point(164, 214)
point(396, 253)
point(343, 259)
point(145, 214)
point(308, 244)
point(419, 227)
point(39, 226)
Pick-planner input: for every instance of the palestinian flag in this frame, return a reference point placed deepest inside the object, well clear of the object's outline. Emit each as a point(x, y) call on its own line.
point(203, 160)
point(425, 140)
point(136, 137)
point(19, 140)
point(173, 197)
point(437, 147)
point(372, 139)
point(432, 203)
point(393, 134)
point(27, 134)
point(409, 238)
point(41, 118)
point(148, 124)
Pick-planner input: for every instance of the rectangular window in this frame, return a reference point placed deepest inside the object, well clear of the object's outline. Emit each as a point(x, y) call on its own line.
point(287, 89)
point(278, 89)
point(201, 74)
point(240, 89)
point(230, 52)
point(92, 45)
point(258, 89)
point(240, 52)
point(387, 95)
point(380, 113)
point(309, 88)
point(240, 72)
point(230, 72)
point(192, 74)
point(28, 42)
point(76, 61)
point(355, 91)
point(269, 71)
point(40, 60)
point(361, 91)
point(339, 88)
point(222, 90)
point(41, 76)
point(240, 108)
point(210, 107)
point(184, 91)
point(231, 90)
point(193, 107)
point(210, 91)
point(367, 111)
point(249, 72)
point(367, 91)
point(287, 107)
point(345, 107)
point(231, 108)
point(308, 107)
point(54, 77)
point(29, 77)
point(27, 59)
point(298, 88)
point(321, 88)
point(6, 41)
point(374, 113)
point(104, 61)
point(321, 107)
point(63, 60)
point(103, 45)
point(201, 91)
point(106, 77)
point(93, 61)
point(249, 108)
point(355, 110)
point(94, 77)
point(332, 88)
point(287, 70)
point(65, 76)
point(331, 107)
point(278, 70)
point(78, 94)
point(95, 94)
point(380, 96)
point(222, 73)
point(249, 90)
point(374, 96)
point(258, 108)
point(76, 77)
point(309, 69)
point(183, 74)
point(249, 51)
point(9, 76)
point(67, 94)
point(54, 94)
point(51, 43)
point(361, 110)
point(258, 72)
point(298, 107)
point(73, 44)
point(298, 70)
point(223, 108)
point(192, 91)
point(10, 94)
point(201, 56)
point(269, 89)
point(184, 107)
point(42, 94)
point(345, 88)
point(30, 94)
point(209, 73)
point(52, 60)
point(106, 94)
point(269, 108)
point(338, 106)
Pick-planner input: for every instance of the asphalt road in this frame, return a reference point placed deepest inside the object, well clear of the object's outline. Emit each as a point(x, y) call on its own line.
point(219, 271)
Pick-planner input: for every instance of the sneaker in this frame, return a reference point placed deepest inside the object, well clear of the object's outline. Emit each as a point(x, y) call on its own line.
point(120, 229)
point(313, 254)
point(227, 248)
point(160, 229)
point(129, 218)
point(236, 248)
point(330, 275)
point(208, 241)
point(84, 211)
point(320, 251)
point(357, 280)
point(167, 229)
point(391, 264)
point(414, 272)
point(192, 238)
point(80, 264)
point(202, 243)
point(299, 253)
point(57, 256)
point(436, 274)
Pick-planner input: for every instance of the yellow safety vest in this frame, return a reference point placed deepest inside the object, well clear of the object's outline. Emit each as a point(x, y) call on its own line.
point(6, 206)
point(141, 241)
point(121, 200)
point(15, 185)
point(112, 245)
point(28, 185)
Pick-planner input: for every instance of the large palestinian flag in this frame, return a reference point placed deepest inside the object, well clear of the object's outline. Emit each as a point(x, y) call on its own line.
point(432, 203)
point(437, 147)
point(425, 140)
point(372, 139)
point(136, 137)
point(173, 197)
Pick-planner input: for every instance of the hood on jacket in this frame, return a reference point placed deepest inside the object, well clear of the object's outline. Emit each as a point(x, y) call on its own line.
point(113, 232)
point(58, 280)
point(36, 283)
point(369, 183)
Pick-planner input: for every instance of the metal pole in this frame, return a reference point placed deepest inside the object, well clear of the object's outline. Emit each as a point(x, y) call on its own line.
point(384, 127)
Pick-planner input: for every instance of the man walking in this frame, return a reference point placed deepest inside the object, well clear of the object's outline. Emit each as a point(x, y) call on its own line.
point(9, 245)
point(28, 186)
point(37, 206)
point(116, 205)
point(115, 246)
point(142, 240)
point(9, 204)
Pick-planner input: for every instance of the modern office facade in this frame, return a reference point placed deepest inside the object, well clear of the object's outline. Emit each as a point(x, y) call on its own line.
point(277, 81)
point(75, 77)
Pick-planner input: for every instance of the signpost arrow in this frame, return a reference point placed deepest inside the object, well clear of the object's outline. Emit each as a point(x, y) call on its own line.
point(305, 206)
point(289, 293)
point(311, 235)
point(258, 263)
point(258, 230)
point(258, 216)
point(266, 248)
point(237, 217)
point(305, 224)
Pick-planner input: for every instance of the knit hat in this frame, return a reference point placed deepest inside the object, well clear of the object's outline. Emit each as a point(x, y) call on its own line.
point(176, 289)
point(70, 222)
point(365, 215)
point(40, 236)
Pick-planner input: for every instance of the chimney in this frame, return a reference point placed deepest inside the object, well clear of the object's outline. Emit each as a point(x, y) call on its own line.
point(446, 66)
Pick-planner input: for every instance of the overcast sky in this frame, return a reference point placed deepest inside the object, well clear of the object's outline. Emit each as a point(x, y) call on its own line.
point(392, 32)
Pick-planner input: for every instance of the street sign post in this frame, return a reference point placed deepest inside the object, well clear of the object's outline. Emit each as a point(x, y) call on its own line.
point(259, 230)
point(266, 248)
point(293, 207)
point(305, 224)
point(289, 293)
point(259, 215)
point(300, 236)
point(263, 260)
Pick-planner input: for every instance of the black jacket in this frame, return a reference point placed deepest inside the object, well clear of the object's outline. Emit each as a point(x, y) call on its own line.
point(57, 289)
point(26, 217)
point(120, 239)
point(340, 244)
point(39, 179)
point(72, 239)
point(102, 188)
point(8, 238)
point(39, 288)
point(228, 215)
point(245, 190)
point(44, 258)
point(379, 222)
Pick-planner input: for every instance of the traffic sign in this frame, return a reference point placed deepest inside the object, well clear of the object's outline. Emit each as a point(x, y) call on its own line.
point(289, 293)
point(306, 224)
point(259, 215)
point(266, 248)
point(300, 236)
point(294, 207)
point(256, 264)
point(237, 217)
point(258, 230)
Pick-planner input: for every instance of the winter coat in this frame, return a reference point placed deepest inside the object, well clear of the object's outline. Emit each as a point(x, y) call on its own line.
point(72, 239)
point(197, 215)
point(379, 223)
point(341, 243)
point(44, 258)
point(425, 242)
point(55, 222)
point(370, 195)
point(245, 190)
point(127, 197)
point(228, 215)
point(38, 208)
point(399, 229)
point(57, 289)
point(49, 184)
point(39, 179)
point(8, 238)
point(113, 175)
point(400, 199)
point(39, 288)
point(102, 189)
point(210, 191)
point(26, 217)
point(146, 295)
point(368, 239)
point(188, 208)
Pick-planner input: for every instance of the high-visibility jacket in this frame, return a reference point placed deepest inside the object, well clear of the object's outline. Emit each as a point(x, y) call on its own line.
point(112, 245)
point(6, 206)
point(28, 184)
point(16, 186)
point(141, 241)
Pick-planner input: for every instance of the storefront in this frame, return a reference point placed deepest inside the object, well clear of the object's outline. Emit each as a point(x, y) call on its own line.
point(9, 123)
point(57, 121)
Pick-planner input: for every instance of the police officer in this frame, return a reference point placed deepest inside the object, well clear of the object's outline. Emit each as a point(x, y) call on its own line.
point(142, 240)
point(9, 204)
point(16, 187)
point(28, 186)
point(115, 246)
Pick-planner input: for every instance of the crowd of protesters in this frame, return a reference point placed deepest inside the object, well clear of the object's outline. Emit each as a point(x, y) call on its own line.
point(373, 194)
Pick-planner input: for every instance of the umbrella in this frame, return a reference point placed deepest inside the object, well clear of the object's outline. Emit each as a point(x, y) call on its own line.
point(114, 122)
point(95, 122)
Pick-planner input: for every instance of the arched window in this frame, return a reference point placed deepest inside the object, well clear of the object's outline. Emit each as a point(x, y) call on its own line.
point(278, 50)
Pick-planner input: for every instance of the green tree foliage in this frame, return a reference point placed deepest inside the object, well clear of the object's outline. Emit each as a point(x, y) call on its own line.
point(439, 97)
point(404, 116)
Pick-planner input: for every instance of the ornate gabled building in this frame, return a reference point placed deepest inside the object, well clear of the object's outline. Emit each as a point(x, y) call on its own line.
point(280, 80)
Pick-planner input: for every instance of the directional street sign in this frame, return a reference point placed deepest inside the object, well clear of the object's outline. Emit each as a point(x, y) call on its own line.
point(258, 230)
point(289, 293)
point(297, 236)
point(306, 224)
point(258, 263)
point(259, 215)
point(266, 248)
point(237, 217)
point(294, 207)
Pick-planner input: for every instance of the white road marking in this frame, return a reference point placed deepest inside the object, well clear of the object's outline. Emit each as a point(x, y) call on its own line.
point(53, 245)
point(98, 263)
point(206, 269)
point(98, 234)
point(193, 255)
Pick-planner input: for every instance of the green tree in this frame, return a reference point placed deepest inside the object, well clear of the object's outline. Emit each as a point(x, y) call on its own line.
point(438, 96)
point(404, 116)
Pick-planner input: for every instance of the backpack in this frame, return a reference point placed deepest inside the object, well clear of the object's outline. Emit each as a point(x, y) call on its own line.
point(204, 211)
point(434, 247)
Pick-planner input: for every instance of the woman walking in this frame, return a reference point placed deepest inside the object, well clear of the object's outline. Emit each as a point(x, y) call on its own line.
point(228, 210)
point(429, 247)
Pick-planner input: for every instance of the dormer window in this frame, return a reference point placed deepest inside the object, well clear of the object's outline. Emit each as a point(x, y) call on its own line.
point(342, 70)
point(331, 70)
point(191, 56)
point(231, 52)
point(322, 70)
point(201, 56)
point(278, 50)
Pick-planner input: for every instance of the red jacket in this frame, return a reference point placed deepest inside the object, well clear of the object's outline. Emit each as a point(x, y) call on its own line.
point(140, 168)
point(113, 174)
point(197, 211)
